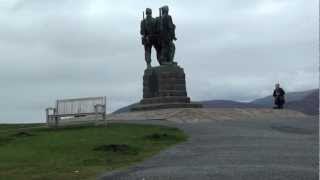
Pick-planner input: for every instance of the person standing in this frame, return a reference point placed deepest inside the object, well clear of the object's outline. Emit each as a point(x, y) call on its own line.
point(279, 97)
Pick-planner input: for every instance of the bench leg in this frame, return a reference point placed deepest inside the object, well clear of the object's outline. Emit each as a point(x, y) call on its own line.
point(104, 119)
point(47, 116)
point(56, 122)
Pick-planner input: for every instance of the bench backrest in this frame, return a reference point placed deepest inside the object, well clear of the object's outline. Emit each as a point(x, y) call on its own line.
point(80, 105)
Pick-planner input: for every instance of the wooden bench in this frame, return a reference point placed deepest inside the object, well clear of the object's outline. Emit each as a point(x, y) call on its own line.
point(78, 107)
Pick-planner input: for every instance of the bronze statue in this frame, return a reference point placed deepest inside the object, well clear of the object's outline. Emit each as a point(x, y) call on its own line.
point(167, 36)
point(158, 33)
point(149, 35)
point(164, 86)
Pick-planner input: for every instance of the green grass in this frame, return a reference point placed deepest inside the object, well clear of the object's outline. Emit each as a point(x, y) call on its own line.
point(6, 127)
point(79, 152)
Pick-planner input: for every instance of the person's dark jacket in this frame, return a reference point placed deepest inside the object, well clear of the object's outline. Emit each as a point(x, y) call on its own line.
point(278, 94)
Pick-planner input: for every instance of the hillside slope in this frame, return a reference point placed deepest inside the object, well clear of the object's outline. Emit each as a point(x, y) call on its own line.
point(290, 96)
point(308, 105)
point(228, 104)
point(303, 101)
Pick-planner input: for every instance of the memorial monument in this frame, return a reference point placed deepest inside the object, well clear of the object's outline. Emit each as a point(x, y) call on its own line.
point(164, 86)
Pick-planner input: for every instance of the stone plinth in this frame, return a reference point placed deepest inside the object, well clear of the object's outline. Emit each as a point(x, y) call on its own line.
point(164, 87)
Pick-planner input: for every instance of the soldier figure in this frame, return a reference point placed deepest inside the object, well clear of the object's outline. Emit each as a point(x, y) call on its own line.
point(167, 35)
point(148, 31)
point(278, 95)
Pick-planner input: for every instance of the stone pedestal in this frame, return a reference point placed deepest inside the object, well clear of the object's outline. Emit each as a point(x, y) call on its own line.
point(164, 87)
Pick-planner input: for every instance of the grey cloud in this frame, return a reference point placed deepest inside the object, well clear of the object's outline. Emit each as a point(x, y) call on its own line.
point(229, 49)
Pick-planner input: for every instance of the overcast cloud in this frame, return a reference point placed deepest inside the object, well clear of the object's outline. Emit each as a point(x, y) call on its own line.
point(230, 49)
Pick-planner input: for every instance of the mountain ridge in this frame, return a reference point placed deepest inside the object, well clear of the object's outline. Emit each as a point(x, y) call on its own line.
point(303, 101)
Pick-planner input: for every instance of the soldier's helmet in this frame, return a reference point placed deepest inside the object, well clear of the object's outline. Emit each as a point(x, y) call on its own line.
point(165, 9)
point(148, 11)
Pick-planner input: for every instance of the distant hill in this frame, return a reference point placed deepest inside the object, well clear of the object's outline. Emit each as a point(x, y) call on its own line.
point(124, 109)
point(308, 105)
point(303, 101)
point(228, 104)
point(290, 96)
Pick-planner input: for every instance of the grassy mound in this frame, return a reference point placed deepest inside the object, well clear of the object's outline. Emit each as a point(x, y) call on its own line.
point(79, 152)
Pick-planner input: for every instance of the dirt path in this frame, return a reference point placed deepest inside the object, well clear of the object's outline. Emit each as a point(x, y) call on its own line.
point(251, 149)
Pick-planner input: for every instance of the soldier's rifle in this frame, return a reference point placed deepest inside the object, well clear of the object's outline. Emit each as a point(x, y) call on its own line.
point(143, 38)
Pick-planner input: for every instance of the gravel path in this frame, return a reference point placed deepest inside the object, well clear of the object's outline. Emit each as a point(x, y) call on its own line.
point(252, 149)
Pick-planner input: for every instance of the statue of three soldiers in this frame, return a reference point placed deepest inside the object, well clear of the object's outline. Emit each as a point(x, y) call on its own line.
point(159, 33)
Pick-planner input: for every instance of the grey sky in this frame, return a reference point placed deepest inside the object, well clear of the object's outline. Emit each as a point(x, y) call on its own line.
point(229, 49)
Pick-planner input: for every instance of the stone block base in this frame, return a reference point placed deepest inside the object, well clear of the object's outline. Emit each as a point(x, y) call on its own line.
point(145, 107)
point(165, 99)
point(164, 87)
